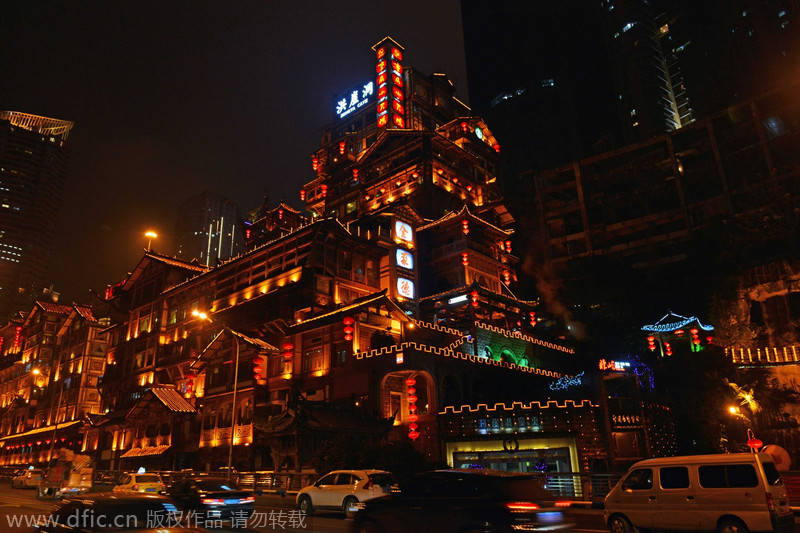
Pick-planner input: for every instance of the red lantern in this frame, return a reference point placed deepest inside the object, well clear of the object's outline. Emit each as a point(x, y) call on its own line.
point(314, 163)
point(413, 417)
point(667, 348)
point(679, 332)
point(348, 322)
point(288, 350)
point(507, 276)
point(302, 195)
point(411, 382)
point(709, 339)
point(258, 368)
point(355, 175)
point(474, 297)
point(342, 147)
point(413, 435)
point(508, 246)
point(412, 399)
point(17, 335)
point(465, 258)
point(496, 148)
point(464, 127)
point(280, 214)
point(532, 315)
point(755, 443)
point(324, 189)
point(412, 426)
point(465, 226)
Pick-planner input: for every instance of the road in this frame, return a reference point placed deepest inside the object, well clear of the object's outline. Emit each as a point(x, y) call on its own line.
point(272, 514)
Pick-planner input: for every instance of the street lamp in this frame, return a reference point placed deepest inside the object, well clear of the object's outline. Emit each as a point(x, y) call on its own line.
point(204, 316)
point(150, 236)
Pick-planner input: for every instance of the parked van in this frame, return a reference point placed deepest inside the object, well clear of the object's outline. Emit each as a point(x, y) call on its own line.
point(729, 493)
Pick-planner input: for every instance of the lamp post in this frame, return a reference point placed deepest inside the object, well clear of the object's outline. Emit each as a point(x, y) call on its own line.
point(150, 236)
point(204, 316)
point(55, 425)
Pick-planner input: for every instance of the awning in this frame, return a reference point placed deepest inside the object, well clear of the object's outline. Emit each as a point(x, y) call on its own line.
point(147, 450)
point(40, 431)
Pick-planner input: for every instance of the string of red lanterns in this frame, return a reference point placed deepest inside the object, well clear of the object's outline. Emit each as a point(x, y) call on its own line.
point(413, 434)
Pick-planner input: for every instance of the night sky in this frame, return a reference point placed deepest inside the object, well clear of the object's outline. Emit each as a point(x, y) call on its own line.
point(171, 98)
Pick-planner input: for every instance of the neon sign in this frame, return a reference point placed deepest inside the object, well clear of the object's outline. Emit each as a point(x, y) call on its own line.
point(357, 98)
point(619, 366)
point(403, 232)
point(404, 259)
point(405, 288)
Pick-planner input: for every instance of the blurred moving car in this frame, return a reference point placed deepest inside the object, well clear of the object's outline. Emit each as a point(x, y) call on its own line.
point(464, 500)
point(342, 490)
point(115, 512)
point(214, 497)
point(26, 479)
point(140, 483)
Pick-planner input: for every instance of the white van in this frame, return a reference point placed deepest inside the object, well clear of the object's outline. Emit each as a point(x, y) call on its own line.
point(729, 493)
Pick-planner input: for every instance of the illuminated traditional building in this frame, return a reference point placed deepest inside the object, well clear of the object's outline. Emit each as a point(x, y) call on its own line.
point(34, 153)
point(387, 309)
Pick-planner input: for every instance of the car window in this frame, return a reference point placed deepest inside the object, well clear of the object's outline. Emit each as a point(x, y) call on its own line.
point(773, 476)
point(216, 485)
point(727, 476)
point(148, 478)
point(639, 479)
point(419, 486)
point(125, 480)
point(329, 479)
point(674, 477)
point(345, 479)
point(383, 480)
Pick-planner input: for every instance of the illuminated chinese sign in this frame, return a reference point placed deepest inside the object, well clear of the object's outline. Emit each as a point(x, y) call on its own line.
point(389, 80)
point(355, 99)
point(404, 259)
point(405, 288)
point(403, 232)
point(619, 366)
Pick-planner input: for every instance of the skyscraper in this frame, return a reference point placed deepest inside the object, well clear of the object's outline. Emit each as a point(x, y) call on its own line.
point(33, 166)
point(208, 229)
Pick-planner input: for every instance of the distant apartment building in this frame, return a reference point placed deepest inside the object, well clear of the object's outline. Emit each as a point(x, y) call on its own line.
point(208, 228)
point(34, 153)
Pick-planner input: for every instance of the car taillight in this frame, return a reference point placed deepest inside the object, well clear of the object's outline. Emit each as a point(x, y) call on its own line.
point(771, 504)
point(247, 499)
point(213, 501)
point(136, 487)
point(564, 503)
point(521, 506)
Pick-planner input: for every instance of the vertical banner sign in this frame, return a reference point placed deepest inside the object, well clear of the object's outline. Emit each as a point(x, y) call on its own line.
point(391, 109)
point(404, 267)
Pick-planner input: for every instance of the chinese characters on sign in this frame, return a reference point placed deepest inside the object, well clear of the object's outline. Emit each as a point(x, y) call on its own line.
point(618, 366)
point(405, 288)
point(390, 75)
point(403, 232)
point(356, 99)
point(404, 259)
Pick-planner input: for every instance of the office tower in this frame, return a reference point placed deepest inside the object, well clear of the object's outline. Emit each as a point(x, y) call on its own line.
point(34, 153)
point(208, 229)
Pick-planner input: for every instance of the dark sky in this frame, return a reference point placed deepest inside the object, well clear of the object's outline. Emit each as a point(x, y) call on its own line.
point(170, 98)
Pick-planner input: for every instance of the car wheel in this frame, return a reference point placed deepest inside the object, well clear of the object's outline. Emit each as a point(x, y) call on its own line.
point(347, 505)
point(732, 526)
point(368, 526)
point(304, 504)
point(619, 524)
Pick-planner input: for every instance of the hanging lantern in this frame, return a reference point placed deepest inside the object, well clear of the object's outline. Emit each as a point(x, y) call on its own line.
point(348, 322)
point(667, 348)
point(508, 246)
point(314, 163)
point(507, 276)
point(412, 408)
point(465, 258)
point(355, 175)
point(464, 127)
point(280, 214)
point(259, 364)
point(465, 226)
point(474, 297)
point(651, 343)
point(532, 315)
point(17, 335)
point(709, 339)
point(679, 332)
point(415, 174)
point(324, 189)
point(342, 146)
point(496, 148)
point(302, 195)
point(288, 350)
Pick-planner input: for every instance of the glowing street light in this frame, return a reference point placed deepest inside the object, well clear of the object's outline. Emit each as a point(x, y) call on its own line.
point(150, 236)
